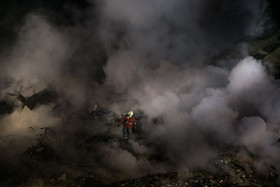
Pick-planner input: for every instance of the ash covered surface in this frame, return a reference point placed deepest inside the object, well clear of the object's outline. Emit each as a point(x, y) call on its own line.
point(40, 166)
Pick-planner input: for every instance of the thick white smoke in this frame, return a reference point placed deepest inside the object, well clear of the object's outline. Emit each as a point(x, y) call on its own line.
point(158, 55)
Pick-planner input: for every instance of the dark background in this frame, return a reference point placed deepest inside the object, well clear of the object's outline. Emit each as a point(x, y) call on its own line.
point(63, 13)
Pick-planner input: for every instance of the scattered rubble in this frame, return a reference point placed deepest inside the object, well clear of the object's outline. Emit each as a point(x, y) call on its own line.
point(268, 51)
point(228, 169)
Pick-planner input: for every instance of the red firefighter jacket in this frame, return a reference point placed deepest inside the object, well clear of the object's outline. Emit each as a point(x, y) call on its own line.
point(128, 122)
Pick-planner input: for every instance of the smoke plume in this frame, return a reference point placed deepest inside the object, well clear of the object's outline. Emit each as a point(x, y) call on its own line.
point(182, 65)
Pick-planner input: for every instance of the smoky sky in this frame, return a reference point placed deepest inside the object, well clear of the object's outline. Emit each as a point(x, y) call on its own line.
point(181, 31)
point(182, 65)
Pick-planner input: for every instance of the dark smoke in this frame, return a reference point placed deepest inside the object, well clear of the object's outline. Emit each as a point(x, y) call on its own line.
point(158, 55)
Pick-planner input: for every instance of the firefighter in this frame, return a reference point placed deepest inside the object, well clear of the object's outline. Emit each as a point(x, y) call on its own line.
point(129, 123)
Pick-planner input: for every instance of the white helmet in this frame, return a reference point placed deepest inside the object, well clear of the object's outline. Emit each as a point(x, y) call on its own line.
point(130, 113)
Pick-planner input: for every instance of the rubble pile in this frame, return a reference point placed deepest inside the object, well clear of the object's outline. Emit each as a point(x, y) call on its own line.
point(268, 51)
point(228, 169)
